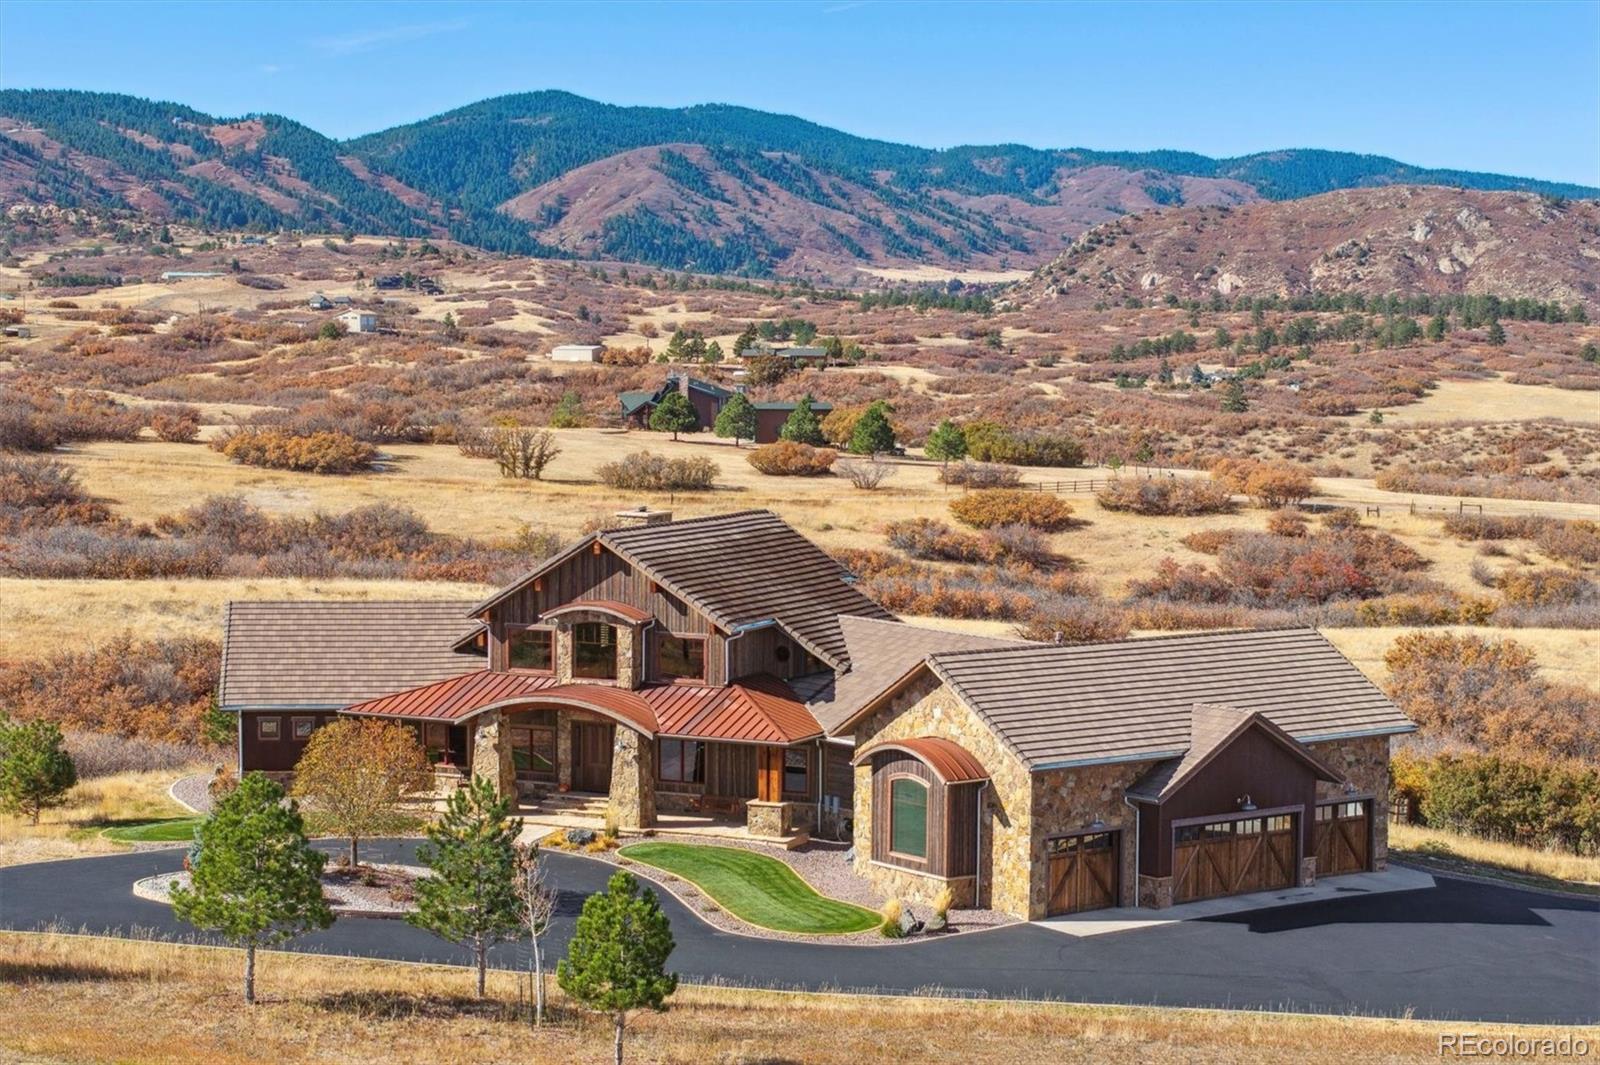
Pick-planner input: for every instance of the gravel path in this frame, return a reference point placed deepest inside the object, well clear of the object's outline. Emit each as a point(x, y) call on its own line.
point(193, 792)
point(389, 895)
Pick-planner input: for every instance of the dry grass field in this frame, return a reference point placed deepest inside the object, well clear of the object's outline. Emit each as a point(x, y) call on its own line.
point(1469, 854)
point(81, 1000)
point(1497, 400)
point(73, 830)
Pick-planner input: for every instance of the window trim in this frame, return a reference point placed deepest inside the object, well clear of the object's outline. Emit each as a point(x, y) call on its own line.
point(683, 678)
point(277, 728)
point(927, 807)
point(520, 630)
point(683, 748)
point(294, 728)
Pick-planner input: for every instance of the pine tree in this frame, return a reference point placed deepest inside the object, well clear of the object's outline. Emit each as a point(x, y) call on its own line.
point(471, 898)
point(744, 339)
point(802, 425)
point(1497, 333)
point(1233, 399)
point(36, 772)
point(713, 354)
point(947, 443)
point(617, 959)
point(737, 419)
point(1437, 326)
point(872, 434)
point(674, 414)
point(568, 413)
point(257, 881)
point(674, 350)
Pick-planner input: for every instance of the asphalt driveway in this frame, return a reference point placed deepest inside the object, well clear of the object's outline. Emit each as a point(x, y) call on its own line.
point(1456, 951)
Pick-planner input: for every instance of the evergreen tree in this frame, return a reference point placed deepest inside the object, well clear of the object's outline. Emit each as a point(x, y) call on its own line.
point(947, 443)
point(834, 348)
point(471, 898)
point(745, 339)
point(568, 413)
point(713, 354)
point(737, 419)
point(802, 425)
point(1497, 333)
point(674, 414)
point(1233, 399)
point(617, 959)
point(1164, 372)
point(1437, 327)
point(256, 881)
point(872, 434)
point(36, 772)
point(675, 345)
point(1375, 418)
point(1590, 352)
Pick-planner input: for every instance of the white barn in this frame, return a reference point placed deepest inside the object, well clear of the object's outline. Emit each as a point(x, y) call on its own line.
point(359, 321)
point(576, 353)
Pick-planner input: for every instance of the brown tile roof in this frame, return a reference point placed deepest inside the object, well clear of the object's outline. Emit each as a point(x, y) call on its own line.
point(330, 654)
point(738, 569)
point(756, 709)
point(881, 652)
point(950, 762)
point(1211, 729)
point(1131, 700)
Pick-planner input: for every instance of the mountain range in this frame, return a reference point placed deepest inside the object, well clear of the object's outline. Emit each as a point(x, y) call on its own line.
point(713, 188)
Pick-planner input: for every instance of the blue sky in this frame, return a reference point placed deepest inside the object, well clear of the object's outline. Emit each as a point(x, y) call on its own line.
point(1513, 88)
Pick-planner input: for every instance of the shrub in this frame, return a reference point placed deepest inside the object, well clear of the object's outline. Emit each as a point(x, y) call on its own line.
point(44, 492)
point(927, 538)
point(992, 442)
point(989, 507)
point(1545, 587)
point(1339, 519)
point(1075, 620)
point(176, 423)
point(868, 473)
point(524, 453)
point(1286, 523)
point(787, 458)
point(1530, 802)
point(104, 754)
point(1169, 495)
point(891, 913)
point(971, 474)
point(1210, 541)
point(644, 472)
point(284, 449)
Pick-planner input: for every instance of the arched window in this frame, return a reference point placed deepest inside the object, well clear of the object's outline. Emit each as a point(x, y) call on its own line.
point(908, 817)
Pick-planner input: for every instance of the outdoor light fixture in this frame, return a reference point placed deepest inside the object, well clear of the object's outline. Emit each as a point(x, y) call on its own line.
point(1349, 787)
point(1245, 803)
point(1097, 824)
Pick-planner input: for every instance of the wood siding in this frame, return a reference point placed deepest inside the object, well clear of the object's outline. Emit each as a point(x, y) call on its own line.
point(952, 814)
point(282, 754)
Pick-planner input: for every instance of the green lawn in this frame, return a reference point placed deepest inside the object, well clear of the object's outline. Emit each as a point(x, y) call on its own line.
point(754, 888)
point(168, 830)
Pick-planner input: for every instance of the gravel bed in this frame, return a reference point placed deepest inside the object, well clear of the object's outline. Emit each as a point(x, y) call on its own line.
point(823, 866)
point(389, 894)
point(194, 792)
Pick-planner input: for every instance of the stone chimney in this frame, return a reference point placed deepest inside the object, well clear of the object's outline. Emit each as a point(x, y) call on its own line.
point(642, 515)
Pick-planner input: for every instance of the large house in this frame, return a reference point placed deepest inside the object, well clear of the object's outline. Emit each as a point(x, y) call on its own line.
point(727, 667)
point(708, 399)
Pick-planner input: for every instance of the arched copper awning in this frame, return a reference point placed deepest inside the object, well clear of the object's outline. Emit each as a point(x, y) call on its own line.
point(624, 611)
point(949, 761)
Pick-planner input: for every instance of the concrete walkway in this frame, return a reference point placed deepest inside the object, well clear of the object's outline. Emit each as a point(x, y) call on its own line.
point(1123, 919)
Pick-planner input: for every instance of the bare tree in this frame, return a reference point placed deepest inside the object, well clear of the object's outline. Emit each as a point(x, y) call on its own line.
point(538, 897)
point(523, 452)
point(867, 473)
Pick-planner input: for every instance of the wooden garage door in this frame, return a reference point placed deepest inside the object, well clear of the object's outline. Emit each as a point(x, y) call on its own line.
point(1083, 872)
point(1233, 857)
point(1343, 834)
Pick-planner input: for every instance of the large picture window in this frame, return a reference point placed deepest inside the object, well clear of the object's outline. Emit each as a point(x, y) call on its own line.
point(594, 651)
point(681, 658)
point(681, 761)
point(908, 817)
point(532, 649)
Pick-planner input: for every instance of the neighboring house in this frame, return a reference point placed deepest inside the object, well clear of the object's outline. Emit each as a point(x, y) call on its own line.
point(727, 666)
point(799, 356)
point(189, 275)
point(359, 321)
point(19, 331)
point(319, 302)
point(576, 353)
point(388, 281)
point(342, 301)
point(708, 400)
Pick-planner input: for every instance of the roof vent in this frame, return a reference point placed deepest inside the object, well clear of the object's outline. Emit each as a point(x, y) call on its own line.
point(642, 515)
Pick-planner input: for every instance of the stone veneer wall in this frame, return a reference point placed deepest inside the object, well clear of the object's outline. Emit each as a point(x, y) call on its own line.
point(1364, 761)
point(925, 707)
point(629, 642)
point(1067, 801)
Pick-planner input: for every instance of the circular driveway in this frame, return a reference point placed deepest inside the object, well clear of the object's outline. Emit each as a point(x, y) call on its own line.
point(1457, 951)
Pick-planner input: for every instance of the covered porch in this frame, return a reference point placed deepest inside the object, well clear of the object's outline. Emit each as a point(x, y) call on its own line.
point(713, 762)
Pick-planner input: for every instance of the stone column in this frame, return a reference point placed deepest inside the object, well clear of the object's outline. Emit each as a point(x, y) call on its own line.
point(627, 657)
point(563, 652)
point(491, 752)
point(563, 751)
point(633, 780)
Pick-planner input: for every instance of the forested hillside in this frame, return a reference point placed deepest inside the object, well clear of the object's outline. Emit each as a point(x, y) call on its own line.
point(713, 187)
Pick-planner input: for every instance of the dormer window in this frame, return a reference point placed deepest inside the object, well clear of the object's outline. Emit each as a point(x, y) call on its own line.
point(594, 651)
point(531, 649)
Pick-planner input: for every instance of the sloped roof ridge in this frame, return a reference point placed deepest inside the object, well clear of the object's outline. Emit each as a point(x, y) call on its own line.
point(1040, 645)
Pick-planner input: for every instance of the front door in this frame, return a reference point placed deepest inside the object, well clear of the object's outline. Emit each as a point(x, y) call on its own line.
point(1083, 872)
point(591, 756)
point(1342, 834)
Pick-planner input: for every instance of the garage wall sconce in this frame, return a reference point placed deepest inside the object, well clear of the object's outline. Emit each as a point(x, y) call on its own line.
point(1245, 803)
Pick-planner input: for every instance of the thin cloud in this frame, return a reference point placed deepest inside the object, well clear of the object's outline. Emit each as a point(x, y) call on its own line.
point(269, 68)
point(369, 40)
point(836, 9)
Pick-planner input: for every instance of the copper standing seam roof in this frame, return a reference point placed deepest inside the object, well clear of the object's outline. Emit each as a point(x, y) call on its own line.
point(328, 654)
point(1211, 730)
point(737, 569)
point(950, 762)
point(757, 709)
point(604, 606)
